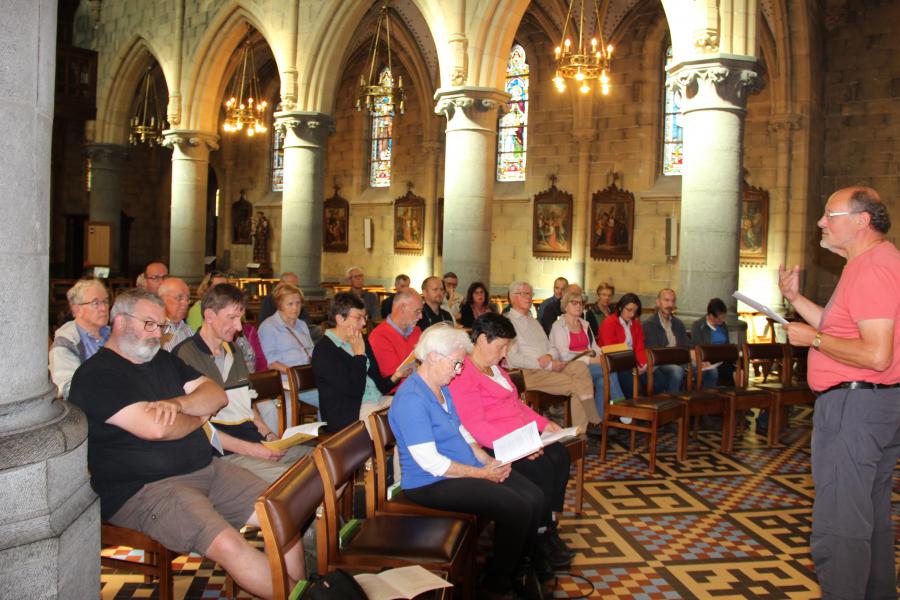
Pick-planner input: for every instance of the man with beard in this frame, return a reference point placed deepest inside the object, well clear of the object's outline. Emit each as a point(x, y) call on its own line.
point(149, 457)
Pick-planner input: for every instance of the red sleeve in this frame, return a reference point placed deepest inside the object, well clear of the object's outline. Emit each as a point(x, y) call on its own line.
point(385, 352)
point(609, 332)
point(637, 339)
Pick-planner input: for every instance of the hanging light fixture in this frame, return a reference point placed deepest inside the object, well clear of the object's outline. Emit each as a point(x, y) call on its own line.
point(147, 123)
point(582, 63)
point(243, 110)
point(379, 96)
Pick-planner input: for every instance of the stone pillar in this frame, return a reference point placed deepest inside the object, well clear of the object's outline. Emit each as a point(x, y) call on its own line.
point(190, 174)
point(581, 226)
point(106, 191)
point(303, 194)
point(471, 147)
point(783, 220)
point(714, 91)
point(49, 516)
point(431, 152)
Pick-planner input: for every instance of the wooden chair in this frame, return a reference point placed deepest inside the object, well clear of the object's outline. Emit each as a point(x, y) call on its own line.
point(157, 558)
point(740, 397)
point(268, 386)
point(697, 402)
point(384, 540)
point(647, 414)
point(301, 379)
point(786, 392)
point(577, 447)
point(541, 402)
point(284, 510)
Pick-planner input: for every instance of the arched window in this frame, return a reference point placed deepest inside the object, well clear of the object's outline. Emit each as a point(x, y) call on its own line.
point(512, 129)
point(277, 160)
point(382, 136)
point(672, 139)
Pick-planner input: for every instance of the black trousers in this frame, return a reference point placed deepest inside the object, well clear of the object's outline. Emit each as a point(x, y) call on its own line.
point(514, 506)
point(550, 472)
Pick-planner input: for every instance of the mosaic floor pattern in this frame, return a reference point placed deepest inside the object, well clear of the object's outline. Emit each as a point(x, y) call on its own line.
point(713, 526)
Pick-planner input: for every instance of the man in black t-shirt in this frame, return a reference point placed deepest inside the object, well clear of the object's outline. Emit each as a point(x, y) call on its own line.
point(150, 460)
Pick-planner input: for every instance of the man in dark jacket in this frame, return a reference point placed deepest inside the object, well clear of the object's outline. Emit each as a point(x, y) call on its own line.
point(665, 330)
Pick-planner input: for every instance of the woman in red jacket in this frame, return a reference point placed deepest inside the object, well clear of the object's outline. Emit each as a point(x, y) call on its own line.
point(625, 327)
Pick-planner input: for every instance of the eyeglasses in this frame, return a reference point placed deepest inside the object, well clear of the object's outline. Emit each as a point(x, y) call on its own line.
point(457, 364)
point(150, 325)
point(96, 303)
point(156, 277)
point(831, 214)
point(529, 294)
point(177, 297)
point(576, 302)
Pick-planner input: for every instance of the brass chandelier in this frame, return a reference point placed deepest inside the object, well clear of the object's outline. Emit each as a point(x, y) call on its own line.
point(379, 96)
point(581, 63)
point(243, 110)
point(147, 123)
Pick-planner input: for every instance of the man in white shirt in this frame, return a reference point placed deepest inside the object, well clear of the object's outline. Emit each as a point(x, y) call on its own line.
point(540, 362)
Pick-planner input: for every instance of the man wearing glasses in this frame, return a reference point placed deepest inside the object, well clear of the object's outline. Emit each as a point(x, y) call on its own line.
point(80, 338)
point(149, 457)
point(854, 365)
point(154, 275)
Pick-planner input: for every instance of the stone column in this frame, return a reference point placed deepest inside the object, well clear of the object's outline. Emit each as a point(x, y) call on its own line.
point(301, 199)
point(431, 151)
point(715, 98)
point(581, 226)
point(106, 191)
point(49, 516)
point(190, 173)
point(471, 148)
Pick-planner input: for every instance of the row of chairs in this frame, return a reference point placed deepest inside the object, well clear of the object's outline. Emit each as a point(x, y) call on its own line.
point(649, 412)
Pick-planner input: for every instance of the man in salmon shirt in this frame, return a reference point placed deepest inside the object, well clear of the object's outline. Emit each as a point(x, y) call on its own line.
point(854, 365)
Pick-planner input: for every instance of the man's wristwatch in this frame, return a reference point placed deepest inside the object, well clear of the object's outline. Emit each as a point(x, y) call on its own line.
point(817, 341)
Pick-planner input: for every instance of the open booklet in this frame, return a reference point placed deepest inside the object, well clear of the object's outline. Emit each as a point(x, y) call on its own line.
point(525, 441)
point(760, 307)
point(295, 435)
point(402, 583)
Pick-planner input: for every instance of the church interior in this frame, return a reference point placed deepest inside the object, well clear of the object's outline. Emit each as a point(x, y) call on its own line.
point(255, 137)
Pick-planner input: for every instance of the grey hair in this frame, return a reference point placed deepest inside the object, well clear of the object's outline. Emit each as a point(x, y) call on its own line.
point(401, 298)
point(127, 300)
point(443, 339)
point(75, 294)
point(864, 201)
point(351, 269)
point(516, 285)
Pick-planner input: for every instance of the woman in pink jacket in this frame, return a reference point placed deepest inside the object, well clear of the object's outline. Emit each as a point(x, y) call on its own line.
point(489, 407)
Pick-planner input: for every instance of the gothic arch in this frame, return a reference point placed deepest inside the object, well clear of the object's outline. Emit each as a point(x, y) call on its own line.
point(113, 114)
point(207, 72)
point(492, 32)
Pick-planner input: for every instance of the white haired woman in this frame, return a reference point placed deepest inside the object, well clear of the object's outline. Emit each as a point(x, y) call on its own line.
point(444, 467)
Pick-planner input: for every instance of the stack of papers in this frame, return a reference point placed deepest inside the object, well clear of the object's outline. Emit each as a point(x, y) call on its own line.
point(525, 441)
point(295, 435)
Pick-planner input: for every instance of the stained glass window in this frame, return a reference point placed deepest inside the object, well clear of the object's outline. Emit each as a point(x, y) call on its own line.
point(673, 142)
point(277, 160)
point(512, 129)
point(382, 136)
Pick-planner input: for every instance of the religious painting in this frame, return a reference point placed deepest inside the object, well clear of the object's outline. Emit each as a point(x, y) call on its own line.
point(612, 224)
point(335, 224)
point(439, 242)
point(552, 224)
point(409, 224)
point(754, 225)
point(241, 220)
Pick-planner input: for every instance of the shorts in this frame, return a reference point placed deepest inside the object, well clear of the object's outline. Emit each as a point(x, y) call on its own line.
point(185, 513)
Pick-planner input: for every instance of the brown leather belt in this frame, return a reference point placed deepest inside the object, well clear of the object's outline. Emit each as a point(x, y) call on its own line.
point(860, 385)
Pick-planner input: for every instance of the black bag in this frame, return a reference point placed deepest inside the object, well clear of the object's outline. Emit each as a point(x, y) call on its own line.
point(337, 585)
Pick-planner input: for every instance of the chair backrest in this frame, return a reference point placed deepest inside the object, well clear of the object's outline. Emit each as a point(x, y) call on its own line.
point(657, 357)
point(614, 362)
point(267, 385)
point(338, 459)
point(300, 379)
point(518, 379)
point(385, 445)
point(767, 351)
point(725, 353)
point(284, 509)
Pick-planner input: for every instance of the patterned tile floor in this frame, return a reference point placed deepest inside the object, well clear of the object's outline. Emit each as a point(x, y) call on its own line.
point(714, 526)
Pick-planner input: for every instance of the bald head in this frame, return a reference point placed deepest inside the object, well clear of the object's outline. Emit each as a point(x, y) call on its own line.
point(407, 308)
point(290, 278)
point(866, 200)
point(177, 296)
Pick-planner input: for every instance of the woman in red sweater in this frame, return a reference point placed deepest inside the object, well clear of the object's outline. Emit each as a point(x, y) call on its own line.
point(625, 327)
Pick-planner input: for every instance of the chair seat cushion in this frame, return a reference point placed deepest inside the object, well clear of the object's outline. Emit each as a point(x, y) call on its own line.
point(659, 402)
point(783, 389)
point(417, 539)
point(751, 391)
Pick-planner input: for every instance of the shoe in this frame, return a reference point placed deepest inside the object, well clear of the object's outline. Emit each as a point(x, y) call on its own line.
point(626, 420)
point(527, 585)
point(594, 430)
point(555, 556)
point(558, 542)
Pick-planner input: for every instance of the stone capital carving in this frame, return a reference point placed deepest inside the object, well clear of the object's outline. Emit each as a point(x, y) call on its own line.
point(307, 127)
point(188, 140)
point(105, 154)
point(718, 84)
point(478, 106)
